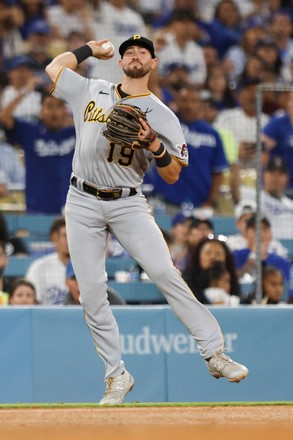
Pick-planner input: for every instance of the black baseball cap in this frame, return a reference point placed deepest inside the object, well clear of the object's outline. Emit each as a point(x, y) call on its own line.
point(277, 164)
point(137, 40)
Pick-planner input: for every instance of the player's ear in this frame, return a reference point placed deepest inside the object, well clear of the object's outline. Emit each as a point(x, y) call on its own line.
point(154, 63)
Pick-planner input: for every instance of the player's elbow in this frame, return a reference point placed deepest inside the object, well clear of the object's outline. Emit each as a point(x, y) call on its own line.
point(50, 69)
point(170, 176)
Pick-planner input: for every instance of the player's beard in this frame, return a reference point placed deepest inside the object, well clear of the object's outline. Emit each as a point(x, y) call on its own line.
point(136, 72)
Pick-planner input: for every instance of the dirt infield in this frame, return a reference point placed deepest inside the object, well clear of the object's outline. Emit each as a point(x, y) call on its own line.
point(174, 423)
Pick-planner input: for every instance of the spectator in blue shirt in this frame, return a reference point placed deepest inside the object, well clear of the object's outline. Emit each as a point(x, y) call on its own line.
point(278, 137)
point(49, 146)
point(200, 182)
point(245, 259)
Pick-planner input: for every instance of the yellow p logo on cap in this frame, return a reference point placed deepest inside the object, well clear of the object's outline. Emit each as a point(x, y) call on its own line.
point(136, 37)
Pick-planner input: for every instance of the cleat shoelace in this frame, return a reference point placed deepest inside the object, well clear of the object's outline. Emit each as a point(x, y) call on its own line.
point(109, 386)
point(222, 357)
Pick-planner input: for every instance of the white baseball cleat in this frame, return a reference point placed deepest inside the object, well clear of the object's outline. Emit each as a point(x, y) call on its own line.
point(117, 388)
point(220, 365)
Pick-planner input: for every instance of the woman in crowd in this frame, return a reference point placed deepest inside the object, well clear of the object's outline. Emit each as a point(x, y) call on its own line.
point(217, 84)
point(206, 254)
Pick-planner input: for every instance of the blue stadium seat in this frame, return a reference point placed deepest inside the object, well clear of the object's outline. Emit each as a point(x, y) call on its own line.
point(12, 222)
point(164, 221)
point(137, 292)
point(34, 225)
point(224, 225)
point(17, 266)
point(37, 226)
point(118, 263)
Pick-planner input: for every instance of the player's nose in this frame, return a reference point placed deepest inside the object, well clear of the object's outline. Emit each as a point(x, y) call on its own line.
point(135, 53)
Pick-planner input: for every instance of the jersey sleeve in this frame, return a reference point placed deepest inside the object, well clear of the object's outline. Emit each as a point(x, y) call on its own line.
point(178, 147)
point(70, 87)
point(170, 132)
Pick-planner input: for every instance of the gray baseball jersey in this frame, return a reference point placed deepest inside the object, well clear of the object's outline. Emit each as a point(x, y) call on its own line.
point(95, 159)
point(88, 218)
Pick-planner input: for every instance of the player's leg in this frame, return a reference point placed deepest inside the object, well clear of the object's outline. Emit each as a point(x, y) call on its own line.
point(139, 234)
point(142, 238)
point(87, 236)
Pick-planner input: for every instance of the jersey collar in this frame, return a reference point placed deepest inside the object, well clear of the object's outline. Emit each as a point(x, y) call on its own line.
point(122, 95)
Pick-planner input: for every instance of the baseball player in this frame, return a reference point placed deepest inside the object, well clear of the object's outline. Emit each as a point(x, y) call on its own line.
point(105, 195)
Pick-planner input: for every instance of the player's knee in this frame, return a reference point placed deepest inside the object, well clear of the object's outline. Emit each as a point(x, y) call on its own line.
point(164, 274)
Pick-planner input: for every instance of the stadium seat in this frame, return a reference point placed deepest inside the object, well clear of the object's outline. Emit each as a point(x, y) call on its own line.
point(139, 292)
point(118, 263)
point(224, 225)
point(36, 226)
point(17, 266)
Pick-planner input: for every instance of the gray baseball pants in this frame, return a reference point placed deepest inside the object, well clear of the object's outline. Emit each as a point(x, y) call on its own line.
point(130, 219)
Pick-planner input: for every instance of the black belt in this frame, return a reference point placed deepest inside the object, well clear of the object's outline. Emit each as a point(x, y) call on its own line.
point(103, 194)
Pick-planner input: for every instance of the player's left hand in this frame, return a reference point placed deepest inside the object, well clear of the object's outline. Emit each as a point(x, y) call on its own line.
point(127, 125)
point(146, 134)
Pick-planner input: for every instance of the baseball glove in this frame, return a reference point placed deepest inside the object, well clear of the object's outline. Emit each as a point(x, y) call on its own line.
point(123, 127)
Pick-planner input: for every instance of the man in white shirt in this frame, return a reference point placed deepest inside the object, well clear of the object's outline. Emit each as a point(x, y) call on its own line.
point(243, 211)
point(48, 273)
point(21, 77)
point(241, 122)
point(66, 16)
point(117, 20)
point(181, 47)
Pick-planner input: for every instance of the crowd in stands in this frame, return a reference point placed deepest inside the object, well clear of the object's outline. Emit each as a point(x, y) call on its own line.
point(220, 270)
point(212, 56)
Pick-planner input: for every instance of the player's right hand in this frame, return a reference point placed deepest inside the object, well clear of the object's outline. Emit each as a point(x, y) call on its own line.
point(100, 52)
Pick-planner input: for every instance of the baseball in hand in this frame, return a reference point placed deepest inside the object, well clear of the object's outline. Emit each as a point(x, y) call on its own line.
point(108, 46)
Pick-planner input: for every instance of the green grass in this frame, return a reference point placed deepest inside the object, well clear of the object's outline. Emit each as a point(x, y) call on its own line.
point(139, 405)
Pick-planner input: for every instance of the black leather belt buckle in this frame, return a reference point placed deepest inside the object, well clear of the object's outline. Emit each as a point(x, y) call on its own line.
point(111, 194)
point(102, 194)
